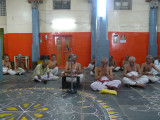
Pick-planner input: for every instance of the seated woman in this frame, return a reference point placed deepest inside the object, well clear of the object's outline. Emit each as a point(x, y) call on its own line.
point(104, 77)
point(6, 65)
point(112, 64)
point(76, 68)
point(20, 66)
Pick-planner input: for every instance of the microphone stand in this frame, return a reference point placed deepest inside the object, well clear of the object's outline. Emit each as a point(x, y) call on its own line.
point(71, 91)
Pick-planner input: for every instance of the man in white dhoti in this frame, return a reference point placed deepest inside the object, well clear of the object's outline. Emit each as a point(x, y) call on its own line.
point(53, 66)
point(6, 66)
point(147, 69)
point(104, 77)
point(112, 64)
point(91, 67)
point(76, 67)
point(157, 64)
point(20, 66)
point(133, 75)
point(125, 61)
point(42, 73)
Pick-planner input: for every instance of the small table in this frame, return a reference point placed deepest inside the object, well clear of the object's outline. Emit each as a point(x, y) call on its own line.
point(26, 58)
point(66, 84)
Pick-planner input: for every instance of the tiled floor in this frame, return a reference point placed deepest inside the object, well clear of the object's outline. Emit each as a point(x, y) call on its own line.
point(23, 99)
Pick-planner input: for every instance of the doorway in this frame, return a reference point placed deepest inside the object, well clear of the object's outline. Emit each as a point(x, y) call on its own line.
point(63, 45)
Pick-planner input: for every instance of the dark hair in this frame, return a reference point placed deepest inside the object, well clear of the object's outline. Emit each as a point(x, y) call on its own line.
point(53, 55)
point(4, 56)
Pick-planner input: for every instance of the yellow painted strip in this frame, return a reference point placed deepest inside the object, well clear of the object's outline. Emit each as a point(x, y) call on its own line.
point(38, 115)
point(5, 91)
point(11, 118)
point(24, 118)
point(25, 105)
point(30, 88)
point(10, 90)
point(42, 109)
point(80, 101)
point(11, 108)
point(5, 114)
point(102, 103)
point(99, 101)
point(55, 93)
point(37, 105)
point(20, 93)
point(111, 112)
point(113, 116)
point(84, 106)
point(20, 89)
point(109, 109)
point(63, 95)
point(105, 106)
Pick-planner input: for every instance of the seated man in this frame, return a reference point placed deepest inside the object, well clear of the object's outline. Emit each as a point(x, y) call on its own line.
point(104, 77)
point(157, 64)
point(155, 58)
point(76, 68)
point(125, 61)
point(133, 75)
point(53, 65)
point(147, 67)
point(91, 67)
point(42, 72)
point(20, 66)
point(112, 64)
point(6, 66)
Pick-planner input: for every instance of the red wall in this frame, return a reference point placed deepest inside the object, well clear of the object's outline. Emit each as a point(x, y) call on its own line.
point(136, 45)
point(15, 43)
point(81, 45)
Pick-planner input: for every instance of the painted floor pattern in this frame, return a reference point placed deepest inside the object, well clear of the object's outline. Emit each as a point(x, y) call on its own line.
point(23, 99)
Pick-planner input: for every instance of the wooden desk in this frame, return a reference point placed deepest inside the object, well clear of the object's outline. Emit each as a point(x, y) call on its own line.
point(26, 58)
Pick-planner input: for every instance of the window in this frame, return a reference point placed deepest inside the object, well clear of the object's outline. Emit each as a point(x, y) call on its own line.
point(122, 4)
point(2, 7)
point(61, 4)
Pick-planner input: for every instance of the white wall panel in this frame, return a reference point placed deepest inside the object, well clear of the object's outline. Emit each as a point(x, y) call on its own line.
point(3, 23)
